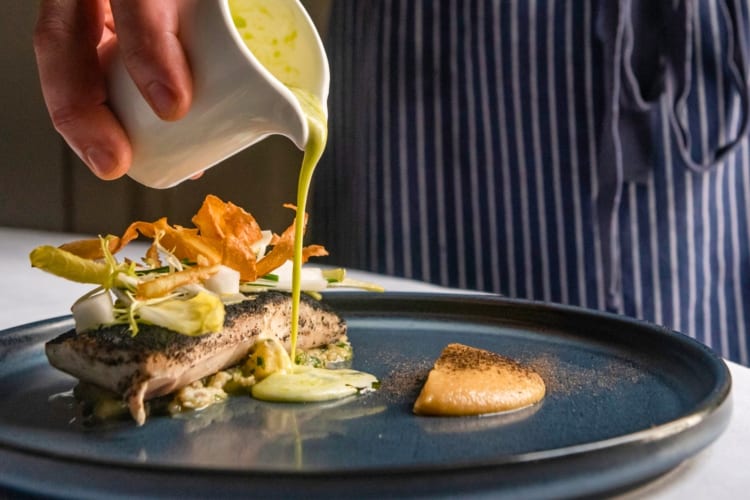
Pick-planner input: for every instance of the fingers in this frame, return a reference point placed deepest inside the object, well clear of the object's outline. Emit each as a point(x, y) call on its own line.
point(147, 33)
point(65, 42)
point(70, 40)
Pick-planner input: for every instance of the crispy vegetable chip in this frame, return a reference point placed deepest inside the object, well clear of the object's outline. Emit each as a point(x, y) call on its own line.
point(224, 233)
point(162, 285)
point(283, 249)
point(218, 220)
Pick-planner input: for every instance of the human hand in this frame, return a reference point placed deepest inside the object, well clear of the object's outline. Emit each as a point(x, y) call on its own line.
point(73, 40)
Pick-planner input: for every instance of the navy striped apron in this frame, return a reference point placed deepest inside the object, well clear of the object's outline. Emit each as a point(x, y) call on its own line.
point(546, 150)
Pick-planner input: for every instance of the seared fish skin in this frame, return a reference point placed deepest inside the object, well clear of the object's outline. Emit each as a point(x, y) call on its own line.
point(159, 361)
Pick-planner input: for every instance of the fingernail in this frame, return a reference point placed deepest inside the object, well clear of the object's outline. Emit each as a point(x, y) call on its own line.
point(101, 161)
point(162, 99)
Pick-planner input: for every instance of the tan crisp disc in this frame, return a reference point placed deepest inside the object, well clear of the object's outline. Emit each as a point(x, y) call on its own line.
point(470, 381)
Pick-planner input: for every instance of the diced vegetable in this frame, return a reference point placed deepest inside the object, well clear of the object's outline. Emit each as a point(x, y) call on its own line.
point(311, 280)
point(93, 310)
point(334, 275)
point(225, 281)
point(259, 247)
point(268, 356)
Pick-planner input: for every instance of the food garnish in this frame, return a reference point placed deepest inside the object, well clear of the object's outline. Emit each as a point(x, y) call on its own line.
point(187, 274)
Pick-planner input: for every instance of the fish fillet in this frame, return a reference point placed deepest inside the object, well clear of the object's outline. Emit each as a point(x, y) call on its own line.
point(158, 361)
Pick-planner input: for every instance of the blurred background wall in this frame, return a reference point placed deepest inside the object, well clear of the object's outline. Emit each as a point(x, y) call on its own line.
point(43, 185)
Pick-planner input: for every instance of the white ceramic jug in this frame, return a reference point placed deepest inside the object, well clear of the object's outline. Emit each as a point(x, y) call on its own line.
point(236, 102)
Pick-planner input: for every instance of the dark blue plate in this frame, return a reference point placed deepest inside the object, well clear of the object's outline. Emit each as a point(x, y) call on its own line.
point(627, 401)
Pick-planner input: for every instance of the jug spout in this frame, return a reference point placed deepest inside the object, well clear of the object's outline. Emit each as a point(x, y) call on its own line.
point(237, 100)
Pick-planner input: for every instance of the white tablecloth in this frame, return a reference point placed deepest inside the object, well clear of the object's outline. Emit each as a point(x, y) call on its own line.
point(720, 471)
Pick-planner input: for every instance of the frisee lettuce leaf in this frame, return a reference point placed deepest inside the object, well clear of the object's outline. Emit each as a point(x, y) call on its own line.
point(200, 314)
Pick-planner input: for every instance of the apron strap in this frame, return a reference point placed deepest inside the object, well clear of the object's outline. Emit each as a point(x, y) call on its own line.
point(648, 58)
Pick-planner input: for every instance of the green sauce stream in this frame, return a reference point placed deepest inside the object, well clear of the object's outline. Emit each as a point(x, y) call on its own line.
point(268, 30)
point(316, 142)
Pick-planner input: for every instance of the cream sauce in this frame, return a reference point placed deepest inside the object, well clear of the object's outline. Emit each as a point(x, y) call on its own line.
point(305, 384)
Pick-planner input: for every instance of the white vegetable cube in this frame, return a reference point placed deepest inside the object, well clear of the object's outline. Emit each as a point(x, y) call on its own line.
point(226, 281)
point(92, 311)
point(260, 247)
point(311, 278)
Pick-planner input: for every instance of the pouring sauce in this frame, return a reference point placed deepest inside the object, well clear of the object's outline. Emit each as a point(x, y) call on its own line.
point(268, 30)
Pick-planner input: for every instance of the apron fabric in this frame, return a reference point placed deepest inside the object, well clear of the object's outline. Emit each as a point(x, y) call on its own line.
point(583, 152)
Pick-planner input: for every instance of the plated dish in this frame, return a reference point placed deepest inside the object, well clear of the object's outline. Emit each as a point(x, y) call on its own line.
point(626, 402)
